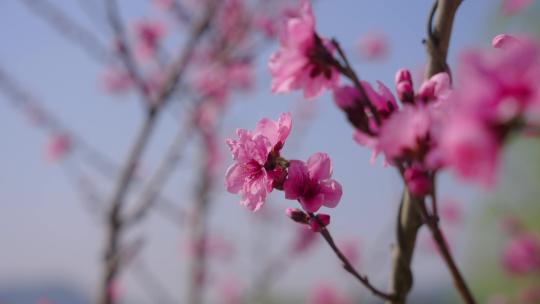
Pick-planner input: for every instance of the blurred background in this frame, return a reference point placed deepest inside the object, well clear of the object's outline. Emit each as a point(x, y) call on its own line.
point(58, 172)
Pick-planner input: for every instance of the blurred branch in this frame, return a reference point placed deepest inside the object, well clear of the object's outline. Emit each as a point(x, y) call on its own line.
point(439, 33)
point(407, 224)
point(199, 235)
point(165, 169)
point(115, 221)
point(409, 217)
point(70, 29)
point(22, 99)
point(124, 50)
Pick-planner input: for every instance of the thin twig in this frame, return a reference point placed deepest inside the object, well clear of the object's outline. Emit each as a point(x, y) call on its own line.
point(116, 221)
point(439, 33)
point(347, 265)
point(347, 70)
point(440, 241)
point(70, 29)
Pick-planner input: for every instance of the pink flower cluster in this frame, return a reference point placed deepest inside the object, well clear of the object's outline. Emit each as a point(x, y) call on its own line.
point(303, 60)
point(498, 94)
point(259, 168)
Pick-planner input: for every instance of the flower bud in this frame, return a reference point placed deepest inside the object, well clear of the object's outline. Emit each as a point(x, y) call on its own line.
point(404, 86)
point(297, 215)
point(417, 181)
point(320, 220)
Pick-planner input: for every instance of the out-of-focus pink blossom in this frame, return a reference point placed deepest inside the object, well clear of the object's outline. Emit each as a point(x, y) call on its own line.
point(300, 62)
point(401, 134)
point(214, 246)
point(503, 40)
point(254, 171)
point(216, 81)
point(382, 98)
point(115, 290)
point(59, 145)
point(148, 34)
point(350, 249)
point(327, 294)
point(435, 89)
point(233, 21)
point(470, 149)
point(305, 239)
point(512, 7)
point(521, 254)
point(418, 181)
point(230, 292)
point(321, 220)
point(116, 81)
point(373, 46)
point(450, 212)
point(500, 85)
point(346, 97)
point(311, 183)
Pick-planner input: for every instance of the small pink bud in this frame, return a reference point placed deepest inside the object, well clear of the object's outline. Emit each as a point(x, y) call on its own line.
point(503, 41)
point(321, 219)
point(404, 86)
point(297, 215)
point(417, 181)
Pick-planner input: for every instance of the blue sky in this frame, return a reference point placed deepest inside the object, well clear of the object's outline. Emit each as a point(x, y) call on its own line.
point(47, 233)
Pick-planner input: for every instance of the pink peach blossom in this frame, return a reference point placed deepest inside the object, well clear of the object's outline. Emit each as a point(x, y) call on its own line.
point(373, 46)
point(116, 81)
point(522, 254)
point(327, 294)
point(311, 184)
point(298, 63)
point(148, 34)
point(304, 240)
point(470, 149)
point(251, 175)
point(512, 7)
point(58, 146)
point(404, 85)
point(402, 133)
point(436, 89)
point(418, 181)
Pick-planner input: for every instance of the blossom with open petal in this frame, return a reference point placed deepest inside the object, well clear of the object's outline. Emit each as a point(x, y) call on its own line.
point(300, 62)
point(311, 184)
point(404, 132)
point(254, 171)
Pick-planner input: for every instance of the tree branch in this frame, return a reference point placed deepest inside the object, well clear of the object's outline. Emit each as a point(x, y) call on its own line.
point(347, 265)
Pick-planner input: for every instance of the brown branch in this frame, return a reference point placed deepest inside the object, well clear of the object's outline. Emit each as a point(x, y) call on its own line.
point(165, 169)
point(199, 235)
point(409, 217)
point(439, 34)
point(116, 203)
point(347, 70)
point(363, 279)
point(437, 43)
point(407, 225)
point(459, 282)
